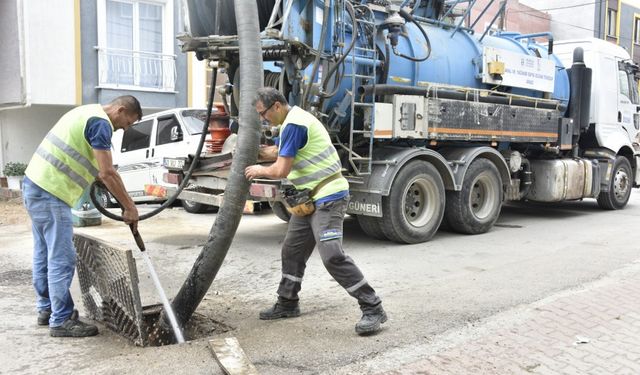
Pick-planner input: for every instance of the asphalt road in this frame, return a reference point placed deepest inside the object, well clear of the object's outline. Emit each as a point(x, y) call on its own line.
point(429, 290)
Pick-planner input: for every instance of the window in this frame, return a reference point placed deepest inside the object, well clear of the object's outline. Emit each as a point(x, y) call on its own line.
point(136, 44)
point(168, 131)
point(194, 120)
point(627, 84)
point(636, 30)
point(623, 84)
point(612, 22)
point(137, 137)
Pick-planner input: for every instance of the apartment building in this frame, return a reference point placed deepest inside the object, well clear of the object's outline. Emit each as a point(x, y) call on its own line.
point(61, 54)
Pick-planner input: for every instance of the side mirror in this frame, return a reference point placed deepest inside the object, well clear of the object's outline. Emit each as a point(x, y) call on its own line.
point(176, 134)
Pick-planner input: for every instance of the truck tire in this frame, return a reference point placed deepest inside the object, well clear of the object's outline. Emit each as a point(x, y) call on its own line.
point(619, 188)
point(195, 207)
point(371, 226)
point(476, 207)
point(415, 206)
point(280, 211)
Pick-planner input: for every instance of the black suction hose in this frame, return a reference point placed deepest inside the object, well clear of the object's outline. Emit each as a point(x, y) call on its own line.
point(333, 70)
point(316, 63)
point(187, 175)
point(410, 18)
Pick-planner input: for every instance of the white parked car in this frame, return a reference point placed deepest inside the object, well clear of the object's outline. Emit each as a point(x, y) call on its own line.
point(139, 152)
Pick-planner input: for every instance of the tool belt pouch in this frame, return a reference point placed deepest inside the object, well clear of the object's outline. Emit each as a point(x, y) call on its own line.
point(299, 202)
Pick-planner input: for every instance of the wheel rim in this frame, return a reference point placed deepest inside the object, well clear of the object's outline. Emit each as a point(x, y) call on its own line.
point(483, 197)
point(418, 194)
point(104, 199)
point(621, 184)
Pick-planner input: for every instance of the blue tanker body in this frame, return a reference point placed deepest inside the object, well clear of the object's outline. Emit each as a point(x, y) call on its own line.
point(455, 58)
point(425, 112)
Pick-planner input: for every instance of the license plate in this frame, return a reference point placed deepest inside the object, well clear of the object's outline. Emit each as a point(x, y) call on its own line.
point(173, 163)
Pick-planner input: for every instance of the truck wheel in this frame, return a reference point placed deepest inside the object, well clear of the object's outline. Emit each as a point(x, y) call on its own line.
point(280, 210)
point(371, 226)
point(476, 207)
point(619, 188)
point(195, 207)
point(414, 208)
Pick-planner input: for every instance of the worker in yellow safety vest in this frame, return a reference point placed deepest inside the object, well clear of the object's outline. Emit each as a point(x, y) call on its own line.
point(308, 159)
point(75, 152)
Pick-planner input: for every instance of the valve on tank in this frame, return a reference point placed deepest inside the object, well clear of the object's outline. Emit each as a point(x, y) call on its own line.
point(393, 23)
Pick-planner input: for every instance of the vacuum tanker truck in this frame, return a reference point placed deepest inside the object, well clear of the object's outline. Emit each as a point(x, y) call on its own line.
point(435, 122)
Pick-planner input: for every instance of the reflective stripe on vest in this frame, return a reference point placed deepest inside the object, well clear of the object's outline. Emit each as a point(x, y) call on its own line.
point(317, 176)
point(64, 163)
point(62, 167)
point(317, 160)
point(72, 153)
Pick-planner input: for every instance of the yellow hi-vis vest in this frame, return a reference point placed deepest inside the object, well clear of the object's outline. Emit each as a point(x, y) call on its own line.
point(317, 160)
point(64, 164)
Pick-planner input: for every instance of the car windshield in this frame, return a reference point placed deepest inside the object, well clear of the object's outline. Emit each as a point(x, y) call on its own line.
point(194, 120)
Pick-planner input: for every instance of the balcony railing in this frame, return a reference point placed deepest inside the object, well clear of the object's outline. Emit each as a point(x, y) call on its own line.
point(136, 69)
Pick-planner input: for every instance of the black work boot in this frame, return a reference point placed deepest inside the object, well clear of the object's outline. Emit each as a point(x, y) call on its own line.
point(43, 317)
point(73, 327)
point(371, 320)
point(284, 308)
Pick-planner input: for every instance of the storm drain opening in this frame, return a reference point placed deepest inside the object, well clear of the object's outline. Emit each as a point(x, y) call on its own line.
point(109, 285)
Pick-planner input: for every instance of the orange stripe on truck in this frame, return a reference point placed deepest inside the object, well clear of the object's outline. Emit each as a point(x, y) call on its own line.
point(493, 132)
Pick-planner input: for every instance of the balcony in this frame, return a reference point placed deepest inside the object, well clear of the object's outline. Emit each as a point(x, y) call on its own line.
point(136, 70)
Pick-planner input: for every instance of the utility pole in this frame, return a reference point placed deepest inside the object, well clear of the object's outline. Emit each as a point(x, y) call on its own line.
point(503, 15)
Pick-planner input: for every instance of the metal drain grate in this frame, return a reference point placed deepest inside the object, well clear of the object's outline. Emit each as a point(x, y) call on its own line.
point(109, 284)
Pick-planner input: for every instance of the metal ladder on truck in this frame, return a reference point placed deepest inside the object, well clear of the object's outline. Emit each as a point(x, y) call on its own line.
point(363, 59)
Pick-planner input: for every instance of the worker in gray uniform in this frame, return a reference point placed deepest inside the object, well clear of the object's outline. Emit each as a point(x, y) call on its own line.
point(308, 159)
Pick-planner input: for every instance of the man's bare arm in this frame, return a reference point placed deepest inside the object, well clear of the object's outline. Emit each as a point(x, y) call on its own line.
point(110, 177)
point(279, 169)
point(268, 153)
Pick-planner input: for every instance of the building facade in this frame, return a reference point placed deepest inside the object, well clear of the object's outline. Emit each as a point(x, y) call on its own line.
point(81, 52)
point(517, 17)
point(617, 21)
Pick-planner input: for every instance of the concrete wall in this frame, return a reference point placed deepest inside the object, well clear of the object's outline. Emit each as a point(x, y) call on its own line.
point(627, 18)
point(50, 52)
point(12, 88)
point(22, 130)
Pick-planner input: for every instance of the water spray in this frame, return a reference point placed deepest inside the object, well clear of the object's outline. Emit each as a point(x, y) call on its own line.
point(156, 281)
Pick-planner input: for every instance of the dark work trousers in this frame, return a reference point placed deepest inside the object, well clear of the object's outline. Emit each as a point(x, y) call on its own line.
point(324, 228)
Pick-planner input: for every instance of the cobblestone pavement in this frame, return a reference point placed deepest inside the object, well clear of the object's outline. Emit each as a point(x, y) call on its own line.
point(595, 330)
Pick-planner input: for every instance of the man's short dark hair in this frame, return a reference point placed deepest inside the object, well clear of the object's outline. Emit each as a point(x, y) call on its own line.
point(267, 96)
point(130, 103)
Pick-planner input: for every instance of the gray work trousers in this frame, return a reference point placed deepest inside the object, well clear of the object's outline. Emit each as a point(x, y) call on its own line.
point(324, 228)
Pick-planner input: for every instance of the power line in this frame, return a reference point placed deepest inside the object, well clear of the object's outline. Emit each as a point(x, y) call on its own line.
point(565, 7)
point(562, 23)
point(621, 38)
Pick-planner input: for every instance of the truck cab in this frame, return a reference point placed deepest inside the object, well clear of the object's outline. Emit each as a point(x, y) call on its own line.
point(614, 114)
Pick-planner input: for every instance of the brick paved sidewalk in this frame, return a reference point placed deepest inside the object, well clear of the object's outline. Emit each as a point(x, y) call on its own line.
point(595, 330)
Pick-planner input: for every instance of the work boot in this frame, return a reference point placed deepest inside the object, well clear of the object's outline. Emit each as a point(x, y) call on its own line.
point(370, 321)
point(43, 317)
point(73, 327)
point(284, 308)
